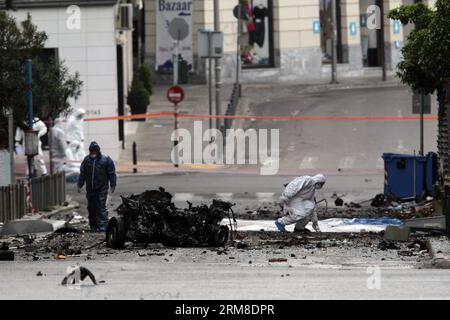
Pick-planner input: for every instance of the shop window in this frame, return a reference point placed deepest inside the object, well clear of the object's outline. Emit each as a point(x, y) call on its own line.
point(256, 34)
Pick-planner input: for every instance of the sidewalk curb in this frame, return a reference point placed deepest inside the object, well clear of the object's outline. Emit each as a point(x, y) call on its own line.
point(349, 86)
point(71, 206)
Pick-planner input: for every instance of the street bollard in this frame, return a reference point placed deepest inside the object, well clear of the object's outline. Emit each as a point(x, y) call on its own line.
point(134, 157)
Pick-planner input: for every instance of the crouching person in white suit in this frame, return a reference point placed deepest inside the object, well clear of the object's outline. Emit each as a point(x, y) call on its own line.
point(299, 204)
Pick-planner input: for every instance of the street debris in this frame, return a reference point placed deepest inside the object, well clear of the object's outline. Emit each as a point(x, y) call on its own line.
point(338, 202)
point(152, 217)
point(77, 273)
point(6, 256)
point(406, 253)
point(277, 260)
point(386, 244)
point(241, 245)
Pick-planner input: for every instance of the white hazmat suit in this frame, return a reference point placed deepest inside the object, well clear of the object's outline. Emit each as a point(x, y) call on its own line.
point(75, 135)
point(41, 128)
point(299, 203)
point(58, 146)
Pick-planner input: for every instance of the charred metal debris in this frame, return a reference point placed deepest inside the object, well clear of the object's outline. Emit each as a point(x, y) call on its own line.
point(152, 217)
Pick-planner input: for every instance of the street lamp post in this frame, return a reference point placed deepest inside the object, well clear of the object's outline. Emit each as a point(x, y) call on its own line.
point(334, 42)
point(218, 64)
point(30, 112)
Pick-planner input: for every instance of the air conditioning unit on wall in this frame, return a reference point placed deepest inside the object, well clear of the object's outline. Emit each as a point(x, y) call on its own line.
point(126, 16)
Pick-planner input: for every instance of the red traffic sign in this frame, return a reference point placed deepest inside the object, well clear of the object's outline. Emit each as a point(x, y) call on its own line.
point(175, 94)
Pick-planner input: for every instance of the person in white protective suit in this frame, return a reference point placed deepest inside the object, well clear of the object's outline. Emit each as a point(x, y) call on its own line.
point(298, 201)
point(58, 146)
point(75, 135)
point(41, 128)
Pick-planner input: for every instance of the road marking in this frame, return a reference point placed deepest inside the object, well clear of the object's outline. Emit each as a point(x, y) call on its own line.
point(291, 147)
point(347, 162)
point(183, 196)
point(308, 163)
point(227, 196)
point(265, 196)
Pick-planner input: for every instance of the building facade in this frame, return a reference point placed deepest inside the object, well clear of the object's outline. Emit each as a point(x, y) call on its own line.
point(289, 39)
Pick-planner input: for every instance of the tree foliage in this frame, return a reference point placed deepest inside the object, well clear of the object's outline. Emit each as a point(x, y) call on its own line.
point(52, 86)
point(146, 78)
point(138, 97)
point(426, 54)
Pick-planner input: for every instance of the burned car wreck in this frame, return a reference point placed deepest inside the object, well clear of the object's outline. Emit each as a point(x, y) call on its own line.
point(152, 217)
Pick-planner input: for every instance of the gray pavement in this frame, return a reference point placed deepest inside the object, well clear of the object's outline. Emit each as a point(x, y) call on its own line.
point(193, 280)
point(249, 191)
point(346, 147)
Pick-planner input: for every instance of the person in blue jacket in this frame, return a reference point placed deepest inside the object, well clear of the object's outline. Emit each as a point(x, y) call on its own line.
point(98, 172)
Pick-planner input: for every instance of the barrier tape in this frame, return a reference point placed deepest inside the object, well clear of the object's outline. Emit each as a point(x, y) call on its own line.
point(271, 118)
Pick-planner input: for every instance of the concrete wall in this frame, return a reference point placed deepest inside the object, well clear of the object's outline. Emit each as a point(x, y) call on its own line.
point(393, 42)
point(91, 51)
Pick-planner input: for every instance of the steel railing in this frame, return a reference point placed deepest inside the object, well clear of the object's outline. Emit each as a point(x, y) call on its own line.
point(46, 192)
point(13, 203)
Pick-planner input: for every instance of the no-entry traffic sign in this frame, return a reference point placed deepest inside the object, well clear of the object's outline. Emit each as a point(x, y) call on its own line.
point(175, 94)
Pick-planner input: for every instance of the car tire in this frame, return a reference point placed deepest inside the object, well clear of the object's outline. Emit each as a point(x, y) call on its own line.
point(115, 233)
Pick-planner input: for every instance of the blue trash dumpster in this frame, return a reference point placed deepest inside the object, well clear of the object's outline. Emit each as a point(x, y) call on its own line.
point(409, 176)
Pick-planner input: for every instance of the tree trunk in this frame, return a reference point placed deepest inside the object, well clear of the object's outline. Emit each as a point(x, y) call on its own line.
point(442, 141)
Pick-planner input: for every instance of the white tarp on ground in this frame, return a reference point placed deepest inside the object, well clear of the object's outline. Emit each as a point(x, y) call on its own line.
point(327, 225)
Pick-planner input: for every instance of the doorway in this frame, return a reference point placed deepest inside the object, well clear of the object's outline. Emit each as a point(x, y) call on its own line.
point(370, 37)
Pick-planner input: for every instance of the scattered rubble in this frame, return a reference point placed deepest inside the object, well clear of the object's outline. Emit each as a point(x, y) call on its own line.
point(386, 244)
point(277, 260)
point(78, 271)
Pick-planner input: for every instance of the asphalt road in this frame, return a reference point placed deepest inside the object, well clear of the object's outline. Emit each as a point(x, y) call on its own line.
point(162, 280)
point(248, 191)
point(330, 145)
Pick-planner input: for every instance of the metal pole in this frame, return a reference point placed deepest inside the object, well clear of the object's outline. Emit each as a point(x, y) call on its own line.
point(175, 64)
point(383, 51)
point(218, 63)
point(30, 111)
point(210, 77)
point(422, 98)
point(238, 46)
point(11, 143)
point(50, 142)
point(175, 143)
point(334, 43)
point(30, 93)
point(134, 157)
point(414, 178)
